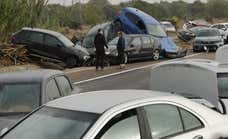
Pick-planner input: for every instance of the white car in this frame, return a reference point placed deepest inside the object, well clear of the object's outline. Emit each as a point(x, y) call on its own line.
point(121, 114)
point(223, 27)
point(168, 26)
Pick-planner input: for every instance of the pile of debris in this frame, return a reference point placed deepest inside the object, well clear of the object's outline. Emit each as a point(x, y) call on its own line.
point(13, 55)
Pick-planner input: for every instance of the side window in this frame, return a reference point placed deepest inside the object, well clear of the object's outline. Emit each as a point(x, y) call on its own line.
point(146, 40)
point(64, 85)
point(36, 37)
point(52, 90)
point(136, 42)
point(52, 41)
point(122, 126)
point(164, 120)
point(190, 121)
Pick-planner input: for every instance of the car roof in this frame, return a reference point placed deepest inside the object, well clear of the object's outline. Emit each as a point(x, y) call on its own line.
point(28, 76)
point(53, 33)
point(101, 101)
point(144, 16)
point(205, 64)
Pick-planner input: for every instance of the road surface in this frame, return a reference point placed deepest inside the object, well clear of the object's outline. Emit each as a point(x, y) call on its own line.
point(134, 78)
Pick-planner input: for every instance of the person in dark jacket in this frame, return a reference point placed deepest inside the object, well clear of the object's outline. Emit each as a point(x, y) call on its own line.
point(120, 49)
point(100, 43)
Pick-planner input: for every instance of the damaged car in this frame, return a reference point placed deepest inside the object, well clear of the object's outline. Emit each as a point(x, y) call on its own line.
point(137, 47)
point(51, 45)
point(133, 21)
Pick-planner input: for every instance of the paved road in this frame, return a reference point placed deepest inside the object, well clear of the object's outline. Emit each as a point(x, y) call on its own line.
point(137, 79)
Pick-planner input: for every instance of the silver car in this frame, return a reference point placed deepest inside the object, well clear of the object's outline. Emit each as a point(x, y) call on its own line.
point(120, 114)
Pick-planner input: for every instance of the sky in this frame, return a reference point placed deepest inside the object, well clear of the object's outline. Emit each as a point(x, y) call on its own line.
point(69, 2)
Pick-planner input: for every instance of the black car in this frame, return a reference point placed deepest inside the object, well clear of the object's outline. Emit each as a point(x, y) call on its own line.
point(22, 92)
point(186, 34)
point(50, 44)
point(137, 47)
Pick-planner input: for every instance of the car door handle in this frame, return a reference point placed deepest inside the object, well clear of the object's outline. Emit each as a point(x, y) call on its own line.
point(198, 137)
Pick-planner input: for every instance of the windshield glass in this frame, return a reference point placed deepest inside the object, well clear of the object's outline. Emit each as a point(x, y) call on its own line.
point(88, 41)
point(156, 30)
point(66, 41)
point(19, 97)
point(52, 123)
point(205, 33)
point(223, 85)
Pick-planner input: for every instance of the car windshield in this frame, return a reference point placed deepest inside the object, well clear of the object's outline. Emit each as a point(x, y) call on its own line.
point(156, 30)
point(19, 97)
point(88, 41)
point(52, 123)
point(223, 85)
point(205, 33)
point(66, 41)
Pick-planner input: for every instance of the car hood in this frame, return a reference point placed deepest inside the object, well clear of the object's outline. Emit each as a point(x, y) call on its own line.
point(111, 48)
point(79, 48)
point(209, 38)
point(9, 121)
point(168, 45)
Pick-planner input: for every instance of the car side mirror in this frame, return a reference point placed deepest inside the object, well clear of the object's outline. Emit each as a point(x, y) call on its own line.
point(3, 131)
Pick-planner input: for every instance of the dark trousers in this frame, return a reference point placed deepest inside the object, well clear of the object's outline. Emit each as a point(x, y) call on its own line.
point(121, 55)
point(100, 55)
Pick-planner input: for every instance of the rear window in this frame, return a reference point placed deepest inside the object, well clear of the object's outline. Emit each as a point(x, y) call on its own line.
point(21, 37)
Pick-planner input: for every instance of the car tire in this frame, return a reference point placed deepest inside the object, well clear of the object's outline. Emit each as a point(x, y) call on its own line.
point(156, 55)
point(71, 61)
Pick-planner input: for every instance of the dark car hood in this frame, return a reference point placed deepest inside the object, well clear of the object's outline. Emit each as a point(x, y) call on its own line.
point(168, 45)
point(209, 38)
point(9, 121)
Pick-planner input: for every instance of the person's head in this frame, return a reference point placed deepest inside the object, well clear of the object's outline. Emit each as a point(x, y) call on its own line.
point(99, 31)
point(120, 33)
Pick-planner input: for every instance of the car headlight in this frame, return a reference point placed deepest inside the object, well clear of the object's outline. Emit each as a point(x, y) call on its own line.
point(86, 57)
point(107, 52)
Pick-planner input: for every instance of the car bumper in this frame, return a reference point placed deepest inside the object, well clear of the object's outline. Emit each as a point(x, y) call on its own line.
point(178, 54)
point(200, 47)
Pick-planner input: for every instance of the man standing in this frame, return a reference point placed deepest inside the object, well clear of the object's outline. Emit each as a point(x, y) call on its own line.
point(120, 49)
point(100, 43)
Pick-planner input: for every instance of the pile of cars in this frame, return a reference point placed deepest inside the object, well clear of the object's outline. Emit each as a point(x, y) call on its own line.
point(135, 22)
point(205, 37)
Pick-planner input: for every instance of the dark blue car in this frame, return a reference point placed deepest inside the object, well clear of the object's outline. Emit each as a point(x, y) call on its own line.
point(134, 21)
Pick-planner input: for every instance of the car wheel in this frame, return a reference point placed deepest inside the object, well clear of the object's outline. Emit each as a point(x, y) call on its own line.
point(156, 55)
point(71, 61)
point(125, 58)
